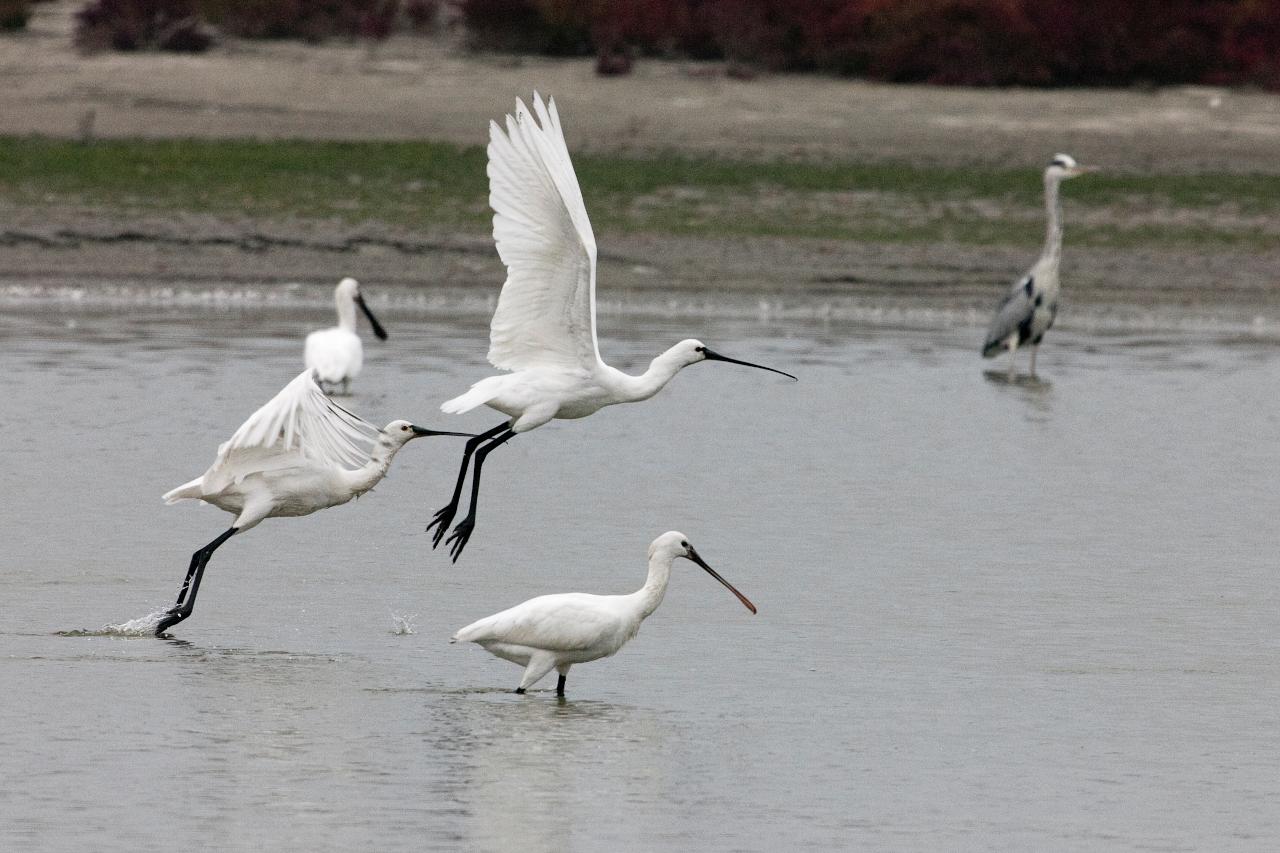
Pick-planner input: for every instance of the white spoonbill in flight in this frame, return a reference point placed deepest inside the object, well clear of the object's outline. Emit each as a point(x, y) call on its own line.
point(1027, 312)
point(336, 354)
point(544, 328)
point(299, 453)
point(556, 631)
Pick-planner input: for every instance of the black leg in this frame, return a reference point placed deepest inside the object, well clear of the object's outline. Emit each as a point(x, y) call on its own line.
point(520, 690)
point(560, 686)
point(458, 538)
point(445, 515)
point(187, 602)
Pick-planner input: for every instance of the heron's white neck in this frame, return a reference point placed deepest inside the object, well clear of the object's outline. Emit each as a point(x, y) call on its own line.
point(649, 596)
point(1053, 227)
point(346, 311)
point(371, 473)
point(660, 372)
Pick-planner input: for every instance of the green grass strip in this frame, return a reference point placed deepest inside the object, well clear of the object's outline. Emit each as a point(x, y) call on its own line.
point(427, 185)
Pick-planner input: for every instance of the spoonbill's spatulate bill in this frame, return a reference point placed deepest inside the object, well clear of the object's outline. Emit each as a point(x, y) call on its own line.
point(557, 631)
point(544, 328)
point(1029, 309)
point(337, 355)
point(299, 453)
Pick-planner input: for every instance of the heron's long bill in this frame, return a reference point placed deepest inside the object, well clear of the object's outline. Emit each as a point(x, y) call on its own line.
point(423, 431)
point(373, 321)
point(711, 355)
point(693, 555)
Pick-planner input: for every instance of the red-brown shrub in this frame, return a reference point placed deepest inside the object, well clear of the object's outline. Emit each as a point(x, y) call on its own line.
point(14, 14)
point(140, 25)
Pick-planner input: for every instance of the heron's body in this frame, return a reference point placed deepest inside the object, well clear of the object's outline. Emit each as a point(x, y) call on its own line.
point(298, 454)
point(287, 492)
point(1029, 308)
point(544, 328)
point(535, 396)
point(336, 355)
point(556, 631)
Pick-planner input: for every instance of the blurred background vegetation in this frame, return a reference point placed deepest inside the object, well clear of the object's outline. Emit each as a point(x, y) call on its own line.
point(959, 42)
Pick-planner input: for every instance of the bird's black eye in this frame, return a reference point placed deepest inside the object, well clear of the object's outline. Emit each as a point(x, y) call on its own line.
point(684, 544)
point(404, 428)
point(699, 349)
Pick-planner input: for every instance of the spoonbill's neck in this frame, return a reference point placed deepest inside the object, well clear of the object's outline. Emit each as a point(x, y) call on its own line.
point(371, 473)
point(653, 380)
point(1053, 227)
point(649, 596)
point(346, 312)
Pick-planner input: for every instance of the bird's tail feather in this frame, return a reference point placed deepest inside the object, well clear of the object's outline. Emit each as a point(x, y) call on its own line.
point(480, 393)
point(185, 492)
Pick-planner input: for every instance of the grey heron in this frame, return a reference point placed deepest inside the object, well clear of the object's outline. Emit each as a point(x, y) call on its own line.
point(1031, 305)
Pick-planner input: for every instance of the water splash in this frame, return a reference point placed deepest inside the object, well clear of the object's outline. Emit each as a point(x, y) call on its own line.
point(143, 626)
point(402, 624)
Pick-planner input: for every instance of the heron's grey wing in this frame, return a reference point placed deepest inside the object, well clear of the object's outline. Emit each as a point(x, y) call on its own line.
point(1013, 316)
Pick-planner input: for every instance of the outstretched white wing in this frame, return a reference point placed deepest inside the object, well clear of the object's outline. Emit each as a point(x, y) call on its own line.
point(546, 314)
point(297, 427)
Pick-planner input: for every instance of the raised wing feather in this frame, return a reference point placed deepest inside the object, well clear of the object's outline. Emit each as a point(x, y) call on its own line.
point(556, 623)
point(546, 311)
point(299, 426)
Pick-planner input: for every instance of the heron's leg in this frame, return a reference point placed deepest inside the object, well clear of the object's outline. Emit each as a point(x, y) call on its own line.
point(186, 603)
point(564, 675)
point(1013, 351)
point(191, 570)
point(445, 515)
point(458, 538)
point(1035, 348)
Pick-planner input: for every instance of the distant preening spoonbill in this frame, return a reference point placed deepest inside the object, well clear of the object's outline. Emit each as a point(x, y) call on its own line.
point(557, 631)
point(299, 453)
point(544, 328)
point(1030, 307)
point(336, 354)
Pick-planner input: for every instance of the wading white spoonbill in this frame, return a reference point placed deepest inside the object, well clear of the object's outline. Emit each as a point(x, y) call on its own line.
point(336, 354)
point(544, 328)
point(299, 453)
point(556, 631)
point(1027, 312)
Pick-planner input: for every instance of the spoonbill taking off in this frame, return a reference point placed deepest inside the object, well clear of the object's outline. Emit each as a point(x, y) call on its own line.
point(299, 453)
point(557, 631)
point(544, 328)
point(336, 354)
point(1028, 311)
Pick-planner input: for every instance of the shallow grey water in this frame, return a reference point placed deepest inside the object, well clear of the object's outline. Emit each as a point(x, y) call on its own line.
point(992, 616)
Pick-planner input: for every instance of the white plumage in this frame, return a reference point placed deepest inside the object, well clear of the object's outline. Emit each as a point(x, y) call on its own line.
point(299, 453)
point(557, 631)
point(336, 354)
point(1031, 306)
point(544, 328)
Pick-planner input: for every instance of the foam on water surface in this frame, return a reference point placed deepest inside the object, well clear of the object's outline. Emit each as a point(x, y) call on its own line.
point(143, 626)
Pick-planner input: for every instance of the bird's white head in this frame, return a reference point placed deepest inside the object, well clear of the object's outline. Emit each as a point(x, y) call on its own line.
point(691, 351)
point(400, 433)
point(1064, 166)
point(347, 293)
point(348, 288)
point(674, 544)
